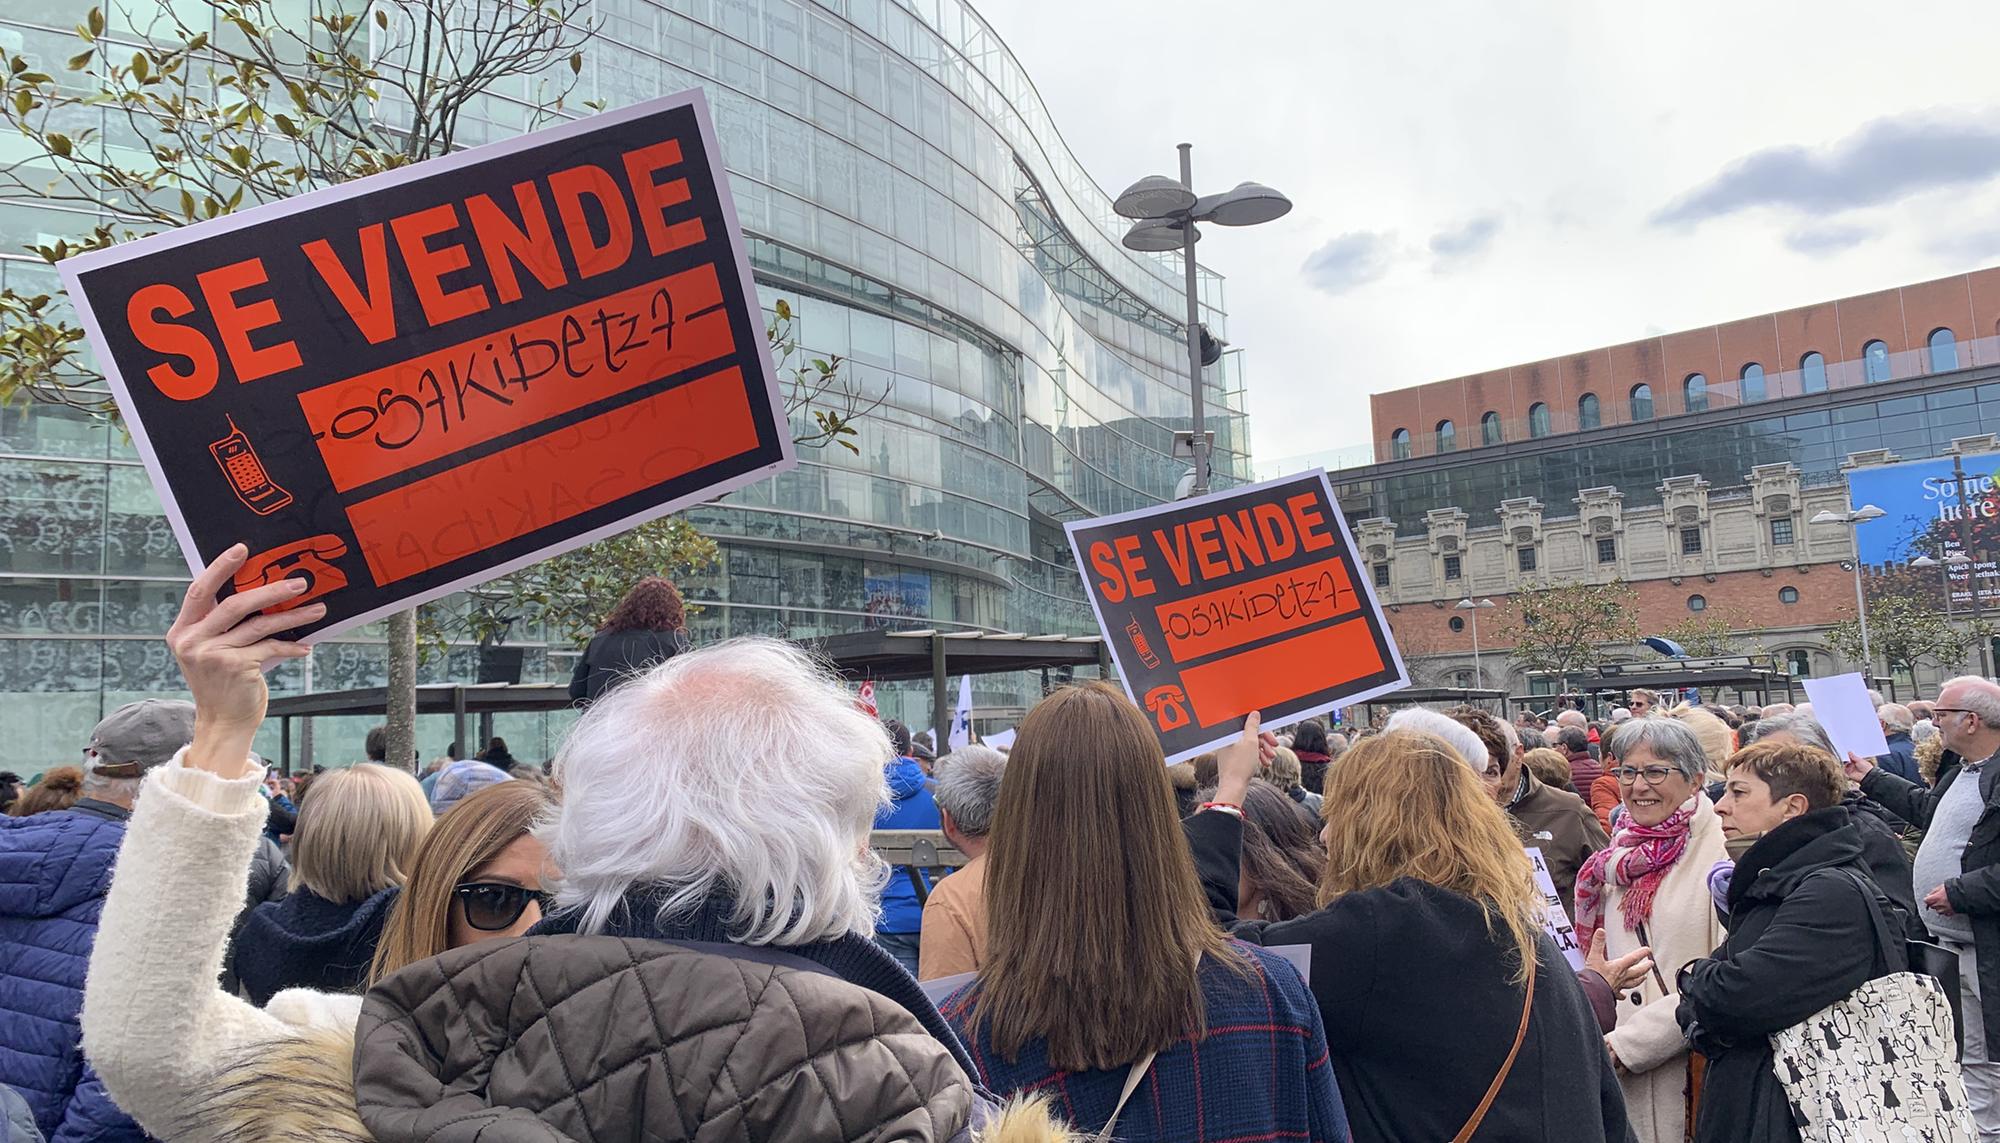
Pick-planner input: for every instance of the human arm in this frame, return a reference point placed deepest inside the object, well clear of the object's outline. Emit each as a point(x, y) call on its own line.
point(1819, 947)
point(1215, 837)
point(1975, 894)
point(1594, 836)
point(155, 1024)
point(1905, 799)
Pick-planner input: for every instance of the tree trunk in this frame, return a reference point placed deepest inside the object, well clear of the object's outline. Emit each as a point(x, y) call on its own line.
point(402, 713)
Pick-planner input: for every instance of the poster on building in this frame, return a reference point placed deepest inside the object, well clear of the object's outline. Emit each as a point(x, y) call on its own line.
point(1249, 599)
point(416, 381)
point(1931, 508)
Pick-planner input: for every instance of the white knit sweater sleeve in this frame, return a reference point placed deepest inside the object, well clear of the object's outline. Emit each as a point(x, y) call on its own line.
point(155, 1023)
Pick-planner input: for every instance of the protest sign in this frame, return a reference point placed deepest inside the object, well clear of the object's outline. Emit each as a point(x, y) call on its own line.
point(1249, 599)
point(1555, 919)
point(416, 381)
point(1841, 705)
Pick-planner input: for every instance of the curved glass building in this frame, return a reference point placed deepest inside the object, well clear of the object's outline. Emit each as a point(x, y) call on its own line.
point(906, 192)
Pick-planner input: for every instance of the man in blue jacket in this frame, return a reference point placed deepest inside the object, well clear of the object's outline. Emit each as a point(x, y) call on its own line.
point(54, 871)
point(913, 808)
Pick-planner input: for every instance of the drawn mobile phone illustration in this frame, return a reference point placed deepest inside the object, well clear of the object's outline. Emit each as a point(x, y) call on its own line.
point(247, 478)
point(1143, 645)
point(309, 559)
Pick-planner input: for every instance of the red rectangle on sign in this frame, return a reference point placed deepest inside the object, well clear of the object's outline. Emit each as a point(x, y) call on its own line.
point(1246, 612)
point(565, 473)
point(1230, 687)
point(390, 420)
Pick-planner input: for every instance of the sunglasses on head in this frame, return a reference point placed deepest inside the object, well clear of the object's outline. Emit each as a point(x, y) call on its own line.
point(493, 905)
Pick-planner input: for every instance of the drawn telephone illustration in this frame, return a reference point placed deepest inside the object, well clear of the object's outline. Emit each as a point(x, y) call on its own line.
point(1169, 707)
point(1142, 645)
point(245, 472)
point(309, 559)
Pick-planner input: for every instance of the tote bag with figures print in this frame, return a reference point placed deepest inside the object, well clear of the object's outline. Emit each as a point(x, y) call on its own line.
point(1879, 1065)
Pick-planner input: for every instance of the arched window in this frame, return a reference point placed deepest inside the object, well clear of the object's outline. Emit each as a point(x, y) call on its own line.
point(1812, 373)
point(1642, 402)
point(1447, 437)
point(1694, 393)
point(1538, 420)
point(1587, 414)
point(1752, 386)
point(1489, 429)
point(1697, 603)
point(1399, 445)
point(1798, 663)
point(1944, 351)
point(1875, 361)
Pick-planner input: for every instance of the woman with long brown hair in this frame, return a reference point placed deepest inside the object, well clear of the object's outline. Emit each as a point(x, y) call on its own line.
point(1106, 983)
point(648, 627)
point(1449, 1013)
point(477, 876)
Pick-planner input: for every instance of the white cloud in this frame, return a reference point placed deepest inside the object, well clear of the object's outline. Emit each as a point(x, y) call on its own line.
point(1348, 261)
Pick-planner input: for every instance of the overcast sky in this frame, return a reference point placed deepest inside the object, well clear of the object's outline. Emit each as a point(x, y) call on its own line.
point(1482, 184)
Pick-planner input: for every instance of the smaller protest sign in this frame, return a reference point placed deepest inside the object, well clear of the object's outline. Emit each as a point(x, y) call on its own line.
point(1249, 599)
point(1555, 919)
point(1842, 706)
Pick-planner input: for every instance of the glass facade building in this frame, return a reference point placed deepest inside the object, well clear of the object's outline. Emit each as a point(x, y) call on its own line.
point(902, 186)
point(1816, 432)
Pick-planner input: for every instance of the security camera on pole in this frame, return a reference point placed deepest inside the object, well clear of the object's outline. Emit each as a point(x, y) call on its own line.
point(1165, 213)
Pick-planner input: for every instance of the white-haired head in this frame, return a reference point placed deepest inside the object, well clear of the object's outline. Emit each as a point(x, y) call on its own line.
point(742, 769)
point(1470, 749)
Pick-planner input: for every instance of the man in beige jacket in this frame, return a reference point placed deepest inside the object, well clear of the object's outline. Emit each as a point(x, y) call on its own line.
point(953, 941)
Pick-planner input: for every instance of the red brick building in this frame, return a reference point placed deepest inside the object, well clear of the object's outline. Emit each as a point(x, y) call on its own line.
point(1689, 464)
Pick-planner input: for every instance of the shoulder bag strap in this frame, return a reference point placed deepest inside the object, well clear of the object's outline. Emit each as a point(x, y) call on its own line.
point(1132, 1078)
point(1868, 892)
point(1493, 1089)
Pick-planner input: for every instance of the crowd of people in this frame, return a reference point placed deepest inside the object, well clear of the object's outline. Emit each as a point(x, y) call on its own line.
point(679, 931)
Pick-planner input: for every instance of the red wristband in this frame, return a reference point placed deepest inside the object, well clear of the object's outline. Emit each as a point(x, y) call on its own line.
point(1225, 807)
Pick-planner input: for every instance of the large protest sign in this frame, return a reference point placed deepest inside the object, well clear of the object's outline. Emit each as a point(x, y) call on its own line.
point(1249, 599)
point(419, 380)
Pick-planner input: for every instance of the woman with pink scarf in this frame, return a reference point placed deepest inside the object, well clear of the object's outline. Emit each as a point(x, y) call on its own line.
point(1651, 888)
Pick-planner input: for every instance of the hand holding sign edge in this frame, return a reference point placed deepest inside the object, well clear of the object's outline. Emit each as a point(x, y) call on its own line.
point(223, 649)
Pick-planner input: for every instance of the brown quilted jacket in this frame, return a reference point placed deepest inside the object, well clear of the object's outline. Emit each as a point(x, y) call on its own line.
point(607, 1039)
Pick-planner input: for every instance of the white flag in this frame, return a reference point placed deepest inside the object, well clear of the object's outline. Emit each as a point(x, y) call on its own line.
point(961, 722)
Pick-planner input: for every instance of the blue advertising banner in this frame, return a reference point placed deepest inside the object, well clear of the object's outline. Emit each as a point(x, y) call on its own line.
point(1925, 515)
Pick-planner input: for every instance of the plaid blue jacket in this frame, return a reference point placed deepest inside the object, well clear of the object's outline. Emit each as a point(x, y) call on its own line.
point(1260, 1075)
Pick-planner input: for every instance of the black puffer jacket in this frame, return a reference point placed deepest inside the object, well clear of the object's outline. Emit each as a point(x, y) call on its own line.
point(1976, 891)
point(1797, 943)
point(613, 657)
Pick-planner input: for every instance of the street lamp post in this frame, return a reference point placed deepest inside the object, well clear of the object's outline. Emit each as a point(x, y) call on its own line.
point(1164, 213)
point(1478, 682)
point(1853, 521)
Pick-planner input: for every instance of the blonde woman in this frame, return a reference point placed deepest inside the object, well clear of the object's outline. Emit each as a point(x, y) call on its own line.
point(351, 853)
point(1718, 742)
point(1435, 981)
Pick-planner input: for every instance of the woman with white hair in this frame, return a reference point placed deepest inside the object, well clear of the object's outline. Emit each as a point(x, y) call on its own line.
point(1650, 889)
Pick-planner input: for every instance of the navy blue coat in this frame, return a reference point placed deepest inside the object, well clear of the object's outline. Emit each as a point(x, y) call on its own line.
point(54, 871)
point(1901, 760)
